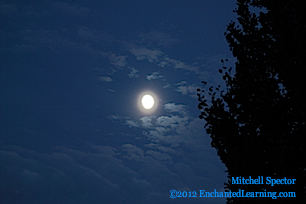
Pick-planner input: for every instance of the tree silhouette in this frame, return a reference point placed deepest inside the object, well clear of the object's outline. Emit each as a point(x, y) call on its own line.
point(257, 125)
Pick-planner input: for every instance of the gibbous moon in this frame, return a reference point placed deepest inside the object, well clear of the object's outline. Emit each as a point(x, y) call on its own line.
point(147, 101)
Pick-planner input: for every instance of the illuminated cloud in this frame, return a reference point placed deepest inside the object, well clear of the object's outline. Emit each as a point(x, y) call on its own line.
point(142, 53)
point(146, 122)
point(166, 86)
point(154, 75)
point(176, 108)
point(106, 79)
point(133, 73)
point(119, 61)
point(132, 123)
point(176, 64)
point(159, 156)
point(184, 88)
point(132, 152)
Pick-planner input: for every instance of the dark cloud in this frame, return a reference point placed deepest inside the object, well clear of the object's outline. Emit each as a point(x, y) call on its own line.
point(103, 173)
point(6, 9)
point(157, 38)
point(70, 9)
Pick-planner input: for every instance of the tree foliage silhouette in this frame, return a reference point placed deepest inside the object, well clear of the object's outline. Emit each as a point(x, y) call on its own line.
point(257, 125)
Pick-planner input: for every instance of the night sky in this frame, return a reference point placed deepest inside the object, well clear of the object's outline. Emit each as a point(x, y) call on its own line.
point(72, 72)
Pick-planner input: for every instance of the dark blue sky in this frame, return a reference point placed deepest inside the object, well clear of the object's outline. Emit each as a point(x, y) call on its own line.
point(71, 74)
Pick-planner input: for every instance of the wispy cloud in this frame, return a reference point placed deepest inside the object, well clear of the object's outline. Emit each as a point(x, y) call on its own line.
point(166, 86)
point(106, 79)
point(94, 36)
point(117, 117)
point(146, 122)
point(70, 9)
point(142, 53)
point(132, 152)
point(154, 75)
point(119, 61)
point(133, 73)
point(177, 64)
point(157, 38)
point(132, 123)
point(159, 156)
point(162, 60)
point(110, 168)
point(184, 88)
point(176, 108)
point(126, 120)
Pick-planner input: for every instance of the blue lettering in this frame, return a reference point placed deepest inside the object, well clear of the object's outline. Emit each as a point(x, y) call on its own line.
point(268, 180)
point(236, 181)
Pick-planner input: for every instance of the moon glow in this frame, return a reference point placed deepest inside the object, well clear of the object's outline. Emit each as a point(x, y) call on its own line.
point(147, 101)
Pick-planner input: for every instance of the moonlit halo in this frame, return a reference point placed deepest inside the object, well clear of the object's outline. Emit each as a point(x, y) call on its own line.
point(153, 103)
